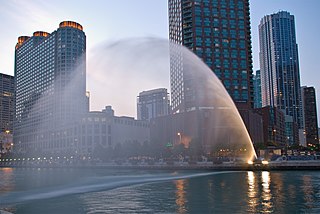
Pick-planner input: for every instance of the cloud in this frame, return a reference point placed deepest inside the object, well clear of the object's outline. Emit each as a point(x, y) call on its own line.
point(29, 14)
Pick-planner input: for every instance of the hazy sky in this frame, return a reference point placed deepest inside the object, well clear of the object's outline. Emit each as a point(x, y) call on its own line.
point(109, 20)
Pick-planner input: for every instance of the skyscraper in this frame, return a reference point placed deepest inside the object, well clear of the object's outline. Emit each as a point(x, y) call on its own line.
point(279, 64)
point(219, 33)
point(6, 102)
point(152, 103)
point(257, 89)
point(50, 86)
point(310, 118)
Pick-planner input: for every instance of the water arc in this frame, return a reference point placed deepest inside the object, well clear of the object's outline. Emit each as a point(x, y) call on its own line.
point(204, 120)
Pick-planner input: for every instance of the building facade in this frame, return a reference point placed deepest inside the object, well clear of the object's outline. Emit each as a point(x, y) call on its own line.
point(153, 103)
point(50, 86)
point(273, 125)
point(103, 130)
point(6, 103)
point(292, 131)
point(257, 89)
point(279, 64)
point(219, 33)
point(310, 119)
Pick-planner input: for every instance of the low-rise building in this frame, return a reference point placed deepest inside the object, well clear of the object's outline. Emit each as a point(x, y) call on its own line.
point(102, 129)
point(273, 126)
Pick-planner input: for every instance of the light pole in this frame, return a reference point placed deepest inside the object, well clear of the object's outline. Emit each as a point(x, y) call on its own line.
point(179, 134)
point(274, 136)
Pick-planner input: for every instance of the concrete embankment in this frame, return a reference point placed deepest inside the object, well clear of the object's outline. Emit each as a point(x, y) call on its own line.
point(282, 165)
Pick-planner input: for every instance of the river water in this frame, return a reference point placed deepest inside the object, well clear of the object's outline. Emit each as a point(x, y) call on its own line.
point(75, 190)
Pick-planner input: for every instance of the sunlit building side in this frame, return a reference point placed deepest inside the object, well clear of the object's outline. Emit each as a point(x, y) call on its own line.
point(50, 86)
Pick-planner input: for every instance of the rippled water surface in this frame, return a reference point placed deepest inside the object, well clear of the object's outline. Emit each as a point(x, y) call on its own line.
point(131, 191)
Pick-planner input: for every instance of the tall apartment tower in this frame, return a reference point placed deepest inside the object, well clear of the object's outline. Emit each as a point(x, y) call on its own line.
point(279, 64)
point(310, 119)
point(218, 32)
point(153, 103)
point(50, 87)
point(6, 103)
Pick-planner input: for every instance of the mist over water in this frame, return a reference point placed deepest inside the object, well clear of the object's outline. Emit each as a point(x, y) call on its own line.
point(88, 184)
point(119, 71)
point(201, 123)
point(67, 190)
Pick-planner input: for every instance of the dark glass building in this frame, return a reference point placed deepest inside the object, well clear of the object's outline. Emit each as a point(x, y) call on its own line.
point(217, 31)
point(274, 126)
point(310, 116)
point(50, 86)
point(279, 64)
point(6, 103)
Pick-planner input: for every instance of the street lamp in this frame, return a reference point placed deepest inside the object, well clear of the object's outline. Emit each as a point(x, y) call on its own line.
point(274, 136)
point(179, 134)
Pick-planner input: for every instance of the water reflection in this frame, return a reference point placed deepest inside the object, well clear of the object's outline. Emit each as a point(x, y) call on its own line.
point(7, 180)
point(267, 205)
point(243, 192)
point(308, 191)
point(181, 196)
point(252, 192)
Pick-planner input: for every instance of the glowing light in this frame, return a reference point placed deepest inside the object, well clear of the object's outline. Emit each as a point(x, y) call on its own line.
point(71, 24)
point(265, 162)
point(41, 33)
point(180, 195)
point(266, 193)
point(250, 162)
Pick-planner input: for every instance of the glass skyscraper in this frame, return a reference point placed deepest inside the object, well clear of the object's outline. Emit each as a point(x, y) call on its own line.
point(279, 64)
point(257, 89)
point(218, 32)
point(310, 119)
point(50, 86)
point(6, 102)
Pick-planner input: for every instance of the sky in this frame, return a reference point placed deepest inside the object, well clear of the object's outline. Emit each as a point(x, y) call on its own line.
point(109, 20)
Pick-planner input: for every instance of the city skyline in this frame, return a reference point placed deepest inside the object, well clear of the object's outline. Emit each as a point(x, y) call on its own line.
point(108, 24)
